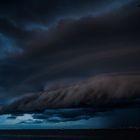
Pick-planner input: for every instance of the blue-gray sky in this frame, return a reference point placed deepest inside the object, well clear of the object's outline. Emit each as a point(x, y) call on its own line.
point(42, 41)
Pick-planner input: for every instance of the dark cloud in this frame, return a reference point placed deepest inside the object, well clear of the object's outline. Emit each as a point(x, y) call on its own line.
point(62, 115)
point(105, 90)
point(27, 11)
point(12, 117)
point(54, 40)
point(9, 28)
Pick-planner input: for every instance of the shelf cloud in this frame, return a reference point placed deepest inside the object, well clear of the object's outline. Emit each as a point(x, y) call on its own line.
point(44, 42)
point(101, 91)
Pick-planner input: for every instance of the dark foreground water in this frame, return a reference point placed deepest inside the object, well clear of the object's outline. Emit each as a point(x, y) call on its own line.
point(84, 134)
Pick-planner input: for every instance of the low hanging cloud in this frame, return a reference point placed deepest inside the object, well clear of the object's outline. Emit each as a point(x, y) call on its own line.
point(70, 47)
point(114, 90)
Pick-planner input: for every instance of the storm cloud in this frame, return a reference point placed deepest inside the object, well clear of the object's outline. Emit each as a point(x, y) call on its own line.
point(43, 42)
point(100, 91)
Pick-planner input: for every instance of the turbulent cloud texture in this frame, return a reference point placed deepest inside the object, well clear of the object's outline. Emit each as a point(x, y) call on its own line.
point(43, 41)
point(104, 90)
point(73, 48)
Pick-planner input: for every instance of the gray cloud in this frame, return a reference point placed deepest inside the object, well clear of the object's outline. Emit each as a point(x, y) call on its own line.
point(104, 90)
point(10, 28)
point(75, 48)
point(72, 47)
point(48, 11)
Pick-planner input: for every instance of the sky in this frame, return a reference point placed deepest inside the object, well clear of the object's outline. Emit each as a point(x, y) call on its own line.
point(49, 41)
point(72, 119)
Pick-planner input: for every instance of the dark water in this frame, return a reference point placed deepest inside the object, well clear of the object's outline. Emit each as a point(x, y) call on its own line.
point(94, 134)
point(44, 138)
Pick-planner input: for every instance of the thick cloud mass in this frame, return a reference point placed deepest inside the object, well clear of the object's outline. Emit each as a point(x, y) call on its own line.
point(104, 90)
point(43, 42)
